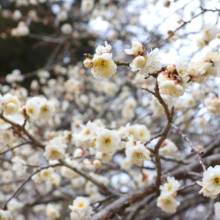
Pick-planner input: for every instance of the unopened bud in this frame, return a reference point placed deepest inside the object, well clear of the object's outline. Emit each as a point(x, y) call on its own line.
point(22, 110)
point(179, 21)
point(200, 147)
point(218, 35)
point(166, 3)
point(97, 164)
point(69, 136)
point(88, 63)
point(78, 152)
point(193, 79)
point(138, 142)
point(169, 32)
point(139, 61)
point(174, 194)
point(171, 68)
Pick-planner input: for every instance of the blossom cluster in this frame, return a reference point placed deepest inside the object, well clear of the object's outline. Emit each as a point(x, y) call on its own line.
point(166, 201)
point(211, 182)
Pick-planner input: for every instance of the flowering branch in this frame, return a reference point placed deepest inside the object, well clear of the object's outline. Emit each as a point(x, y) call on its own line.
point(22, 129)
point(184, 24)
point(11, 149)
point(17, 191)
point(118, 63)
point(88, 177)
point(193, 149)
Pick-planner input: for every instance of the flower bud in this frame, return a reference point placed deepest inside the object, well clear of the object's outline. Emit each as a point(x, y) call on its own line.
point(179, 21)
point(218, 35)
point(88, 63)
point(22, 110)
point(78, 152)
point(166, 3)
point(139, 61)
point(169, 32)
point(97, 164)
point(174, 194)
point(200, 147)
point(171, 68)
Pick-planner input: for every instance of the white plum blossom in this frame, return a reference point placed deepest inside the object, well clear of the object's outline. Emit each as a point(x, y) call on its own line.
point(211, 180)
point(10, 104)
point(207, 67)
point(55, 149)
point(181, 65)
point(66, 29)
point(32, 109)
point(152, 63)
point(73, 86)
point(213, 105)
point(80, 203)
point(19, 166)
point(107, 141)
point(4, 215)
point(6, 137)
point(86, 137)
point(17, 15)
point(170, 187)
point(87, 5)
point(15, 76)
point(103, 66)
point(168, 148)
point(137, 153)
point(156, 107)
point(52, 212)
point(137, 48)
point(206, 192)
point(14, 205)
point(67, 172)
point(21, 30)
point(63, 15)
point(209, 32)
point(80, 210)
point(47, 110)
point(171, 87)
point(138, 131)
point(167, 203)
point(104, 157)
point(103, 49)
point(45, 174)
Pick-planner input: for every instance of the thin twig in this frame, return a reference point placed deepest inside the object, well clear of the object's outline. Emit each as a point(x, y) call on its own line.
point(193, 149)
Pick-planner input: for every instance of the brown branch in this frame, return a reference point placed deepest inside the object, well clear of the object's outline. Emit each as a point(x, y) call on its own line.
point(184, 187)
point(156, 136)
point(148, 91)
point(21, 128)
point(11, 149)
point(118, 63)
point(17, 191)
point(88, 177)
point(184, 24)
point(164, 133)
point(121, 203)
point(126, 200)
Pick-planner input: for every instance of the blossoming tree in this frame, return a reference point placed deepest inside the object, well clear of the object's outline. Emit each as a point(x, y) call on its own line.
point(103, 138)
